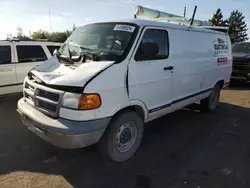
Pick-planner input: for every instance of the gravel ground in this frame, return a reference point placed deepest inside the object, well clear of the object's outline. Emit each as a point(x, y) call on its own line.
point(185, 149)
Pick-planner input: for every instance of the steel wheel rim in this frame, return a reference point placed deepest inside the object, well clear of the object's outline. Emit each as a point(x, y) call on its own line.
point(126, 136)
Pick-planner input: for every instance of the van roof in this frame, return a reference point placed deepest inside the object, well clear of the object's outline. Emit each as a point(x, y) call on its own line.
point(144, 22)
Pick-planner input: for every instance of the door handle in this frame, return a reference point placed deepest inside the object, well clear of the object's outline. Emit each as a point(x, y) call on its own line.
point(169, 68)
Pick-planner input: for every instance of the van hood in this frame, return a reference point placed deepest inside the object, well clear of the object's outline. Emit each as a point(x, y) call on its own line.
point(53, 72)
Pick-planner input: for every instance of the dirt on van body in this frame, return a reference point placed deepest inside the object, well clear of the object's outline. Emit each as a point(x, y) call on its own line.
point(184, 149)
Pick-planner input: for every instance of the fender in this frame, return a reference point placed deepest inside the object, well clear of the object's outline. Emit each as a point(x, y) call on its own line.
point(94, 76)
point(219, 79)
point(133, 103)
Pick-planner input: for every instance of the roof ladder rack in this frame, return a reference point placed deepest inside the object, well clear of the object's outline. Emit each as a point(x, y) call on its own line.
point(156, 15)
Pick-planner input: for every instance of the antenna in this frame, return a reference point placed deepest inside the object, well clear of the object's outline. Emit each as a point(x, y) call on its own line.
point(50, 21)
point(229, 26)
point(192, 20)
point(185, 9)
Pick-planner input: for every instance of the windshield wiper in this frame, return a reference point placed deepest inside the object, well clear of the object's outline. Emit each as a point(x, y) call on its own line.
point(64, 58)
point(70, 54)
point(90, 55)
point(85, 54)
point(61, 58)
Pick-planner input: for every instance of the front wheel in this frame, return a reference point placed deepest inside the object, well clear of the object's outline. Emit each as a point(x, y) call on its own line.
point(210, 103)
point(122, 137)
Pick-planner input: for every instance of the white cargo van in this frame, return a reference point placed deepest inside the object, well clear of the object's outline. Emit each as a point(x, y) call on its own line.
point(109, 78)
point(17, 57)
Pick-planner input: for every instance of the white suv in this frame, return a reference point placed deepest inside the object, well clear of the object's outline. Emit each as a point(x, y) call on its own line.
point(17, 58)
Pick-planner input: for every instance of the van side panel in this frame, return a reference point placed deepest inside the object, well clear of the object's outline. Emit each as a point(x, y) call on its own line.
point(196, 69)
point(225, 68)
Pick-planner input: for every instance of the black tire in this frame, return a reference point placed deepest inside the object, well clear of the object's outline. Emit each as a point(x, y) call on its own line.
point(109, 145)
point(210, 103)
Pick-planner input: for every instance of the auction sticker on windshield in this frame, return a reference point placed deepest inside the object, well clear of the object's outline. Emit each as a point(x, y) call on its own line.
point(127, 28)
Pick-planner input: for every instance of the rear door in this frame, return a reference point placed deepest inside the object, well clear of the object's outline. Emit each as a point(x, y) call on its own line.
point(28, 56)
point(8, 82)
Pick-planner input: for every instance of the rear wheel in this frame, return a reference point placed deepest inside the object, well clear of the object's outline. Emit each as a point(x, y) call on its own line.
point(210, 103)
point(122, 138)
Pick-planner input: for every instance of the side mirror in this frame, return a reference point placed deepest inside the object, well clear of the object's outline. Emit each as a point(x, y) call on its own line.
point(55, 52)
point(149, 49)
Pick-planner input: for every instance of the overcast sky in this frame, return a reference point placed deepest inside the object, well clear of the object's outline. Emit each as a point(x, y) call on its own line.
point(33, 15)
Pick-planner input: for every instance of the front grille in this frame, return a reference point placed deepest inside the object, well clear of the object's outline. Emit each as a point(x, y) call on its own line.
point(47, 106)
point(44, 99)
point(46, 94)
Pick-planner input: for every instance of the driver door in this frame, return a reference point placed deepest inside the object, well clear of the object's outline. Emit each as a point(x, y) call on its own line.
point(150, 80)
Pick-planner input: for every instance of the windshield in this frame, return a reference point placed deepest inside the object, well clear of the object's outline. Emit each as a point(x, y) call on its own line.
point(110, 41)
point(241, 48)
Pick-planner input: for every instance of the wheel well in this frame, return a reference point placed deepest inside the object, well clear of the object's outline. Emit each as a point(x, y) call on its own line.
point(220, 83)
point(138, 109)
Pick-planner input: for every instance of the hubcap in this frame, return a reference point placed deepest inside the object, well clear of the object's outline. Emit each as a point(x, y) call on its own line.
point(126, 136)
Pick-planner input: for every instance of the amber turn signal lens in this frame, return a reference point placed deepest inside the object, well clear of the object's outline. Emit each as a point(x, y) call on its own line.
point(89, 102)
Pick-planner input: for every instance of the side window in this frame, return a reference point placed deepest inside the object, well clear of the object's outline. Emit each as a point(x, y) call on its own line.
point(158, 37)
point(5, 55)
point(30, 53)
point(52, 49)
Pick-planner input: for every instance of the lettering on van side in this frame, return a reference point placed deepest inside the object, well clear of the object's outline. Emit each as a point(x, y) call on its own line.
point(127, 28)
point(220, 47)
point(222, 61)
